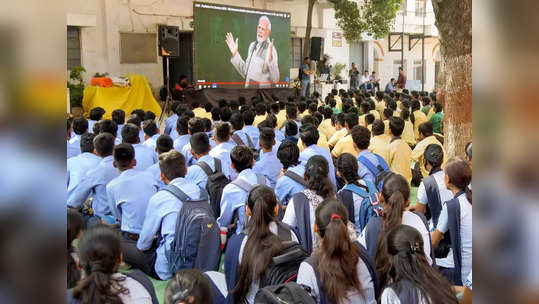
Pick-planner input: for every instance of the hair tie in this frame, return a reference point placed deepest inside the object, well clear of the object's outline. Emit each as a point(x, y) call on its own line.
point(97, 267)
point(414, 247)
point(334, 216)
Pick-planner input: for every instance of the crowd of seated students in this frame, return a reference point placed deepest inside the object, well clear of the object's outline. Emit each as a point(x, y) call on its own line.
point(333, 174)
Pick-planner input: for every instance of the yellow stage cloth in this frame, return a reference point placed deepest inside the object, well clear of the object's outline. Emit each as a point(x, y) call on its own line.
point(137, 96)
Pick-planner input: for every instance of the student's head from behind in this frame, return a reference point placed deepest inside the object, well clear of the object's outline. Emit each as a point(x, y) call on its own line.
point(97, 113)
point(74, 228)
point(242, 158)
point(369, 119)
point(317, 176)
point(188, 286)
point(100, 253)
point(433, 157)
point(261, 206)
point(267, 138)
point(291, 111)
point(222, 132)
point(361, 136)
point(172, 165)
point(458, 176)
point(347, 167)
point(309, 134)
point(195, 125)
point(309, 119)
point(337, 254)
point(216, 114)
point(438, 107)
point(288, 154)
point(200, 144)
point(182, 125)
point(350, 120)
point(87, 143)
point(118, 116)
point(150, 128)
point(80, 125)
point(248, 117)
point(149, 115)
point(290, 128)
point(104, 144)
point(425, 130)
point(164, 143)
point(236, 120)
point(387, 113)
point(272, 119)
point(130, 134)
point(405, 114)
point(378, 127)
point(108, 126)
point(226, 113)
point(396, 126)
point(133, 119)
point(124, 157)
point(407, 263)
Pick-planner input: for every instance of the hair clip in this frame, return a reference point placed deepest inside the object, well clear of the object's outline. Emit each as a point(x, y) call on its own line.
point(414, 247)
point(334, 216)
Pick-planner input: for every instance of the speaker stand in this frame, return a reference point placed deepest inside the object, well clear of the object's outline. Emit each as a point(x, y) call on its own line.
point(168, 100)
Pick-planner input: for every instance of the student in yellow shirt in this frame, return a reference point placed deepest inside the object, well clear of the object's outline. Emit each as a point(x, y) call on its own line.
point(260, 109)
point(426, 138)
point(302, 107)
point(326, 126)
point(346, 144)
point(322, 139)
point(312, 108)
point(369, 119)
point(380, 103)
point(379, 143)
point(338, 123)
point(408, 133)
point(418, 116)
point(392, 104)
point(364, 109)
point(386, 115)
point(400, 154)
point(338, 100)
point(278, 110)
point(199, 110)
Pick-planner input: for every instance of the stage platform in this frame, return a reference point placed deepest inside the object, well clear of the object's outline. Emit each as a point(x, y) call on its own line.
point(214, 95)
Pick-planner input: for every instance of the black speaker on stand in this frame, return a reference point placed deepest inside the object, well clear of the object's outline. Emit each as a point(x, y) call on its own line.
point(169, 46)
point(316, 48)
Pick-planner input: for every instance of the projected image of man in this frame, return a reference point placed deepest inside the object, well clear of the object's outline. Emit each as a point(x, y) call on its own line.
point(261, 67)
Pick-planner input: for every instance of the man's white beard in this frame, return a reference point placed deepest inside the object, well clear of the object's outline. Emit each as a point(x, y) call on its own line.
point(258, 39)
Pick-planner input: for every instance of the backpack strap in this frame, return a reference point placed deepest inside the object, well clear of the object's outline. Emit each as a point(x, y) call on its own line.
point(453, 214)
point(296, 177)
point(303, 219)
point(405, 291)
point(382, 162)
point(232, 254)
point(251, 144)
point(205, 167)
point(367, 163)
point(237, 139)
point(372, 232)
point(218, 166)
point(371, 266)
point(283, 231)
point(433, 195)
point(177, 192)
point(356, 189)
point(426, 223)
point(140, 277)
point(348, 200)
point(322, 295)
point(242, 184)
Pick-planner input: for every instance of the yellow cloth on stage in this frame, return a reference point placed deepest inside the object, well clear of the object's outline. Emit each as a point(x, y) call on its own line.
point(137, 96)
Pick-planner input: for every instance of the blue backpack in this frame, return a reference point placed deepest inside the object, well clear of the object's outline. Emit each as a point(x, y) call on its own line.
point(370, 206)
point(197, 242)
point(380, 172)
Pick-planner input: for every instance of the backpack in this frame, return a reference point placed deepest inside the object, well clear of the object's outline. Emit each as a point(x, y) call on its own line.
point(240, 142)
point(370, 206)
point(381, 172)
point(197, 241)
point(296, 177)
point(291, 292)
point(215, 184)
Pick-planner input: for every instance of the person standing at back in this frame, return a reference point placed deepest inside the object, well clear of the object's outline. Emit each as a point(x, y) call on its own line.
point(305, 76)
point(401, 80)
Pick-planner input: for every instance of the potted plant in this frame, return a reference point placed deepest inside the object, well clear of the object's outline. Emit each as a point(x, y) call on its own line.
point(75, 84)
point(336, 70)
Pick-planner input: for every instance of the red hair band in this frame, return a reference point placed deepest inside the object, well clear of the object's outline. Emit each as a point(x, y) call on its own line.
point(334, 216)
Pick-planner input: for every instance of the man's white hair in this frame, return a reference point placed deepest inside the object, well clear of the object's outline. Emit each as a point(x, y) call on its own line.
point(267, 19)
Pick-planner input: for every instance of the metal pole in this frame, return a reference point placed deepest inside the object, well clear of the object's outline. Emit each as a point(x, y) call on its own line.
point(423, 50)
point(402, 39)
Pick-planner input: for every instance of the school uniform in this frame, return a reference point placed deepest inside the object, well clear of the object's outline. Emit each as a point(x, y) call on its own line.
point(270, 166)
point(76, 170)
point(286, 187)
point(259, 119)
point(161, 215)
point(380, 145)
point(322, 142)
point(400, 157)
point(119, 133)
point(91, 124)
point(408, 133)
point(363, 171)
point(275, 147)
point(151, 142)
point(462, 220)
point(386, 127)
point(170, 123)
point(297, 123)
point(222, 152)
point(433, 192)
point(94, 185)
point(345, 145)
point(337, 136)
point(144, 156)
point(181, 141)
point(155, 171)
point(244, 138)
point(313, 150)
point(234, 197)
point(420, 118)
point(338, 102)
point(253, 132)
point(419, 152)
point(436, 120)
point(431, 112)
point(128, 196)
point(281, 118)
point(326, 128)
point(201, 113)
point(189, 159)
point(279, 135)
point(73, 146)
point(375, 113)
point(380, 106)
point(391, 294)
point(141, 136)
point(196, 175)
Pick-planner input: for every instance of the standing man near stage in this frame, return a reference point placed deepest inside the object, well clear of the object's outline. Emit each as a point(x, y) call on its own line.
point(305, 73)
point(354, 77)
point(261, 66)
point(401, 81)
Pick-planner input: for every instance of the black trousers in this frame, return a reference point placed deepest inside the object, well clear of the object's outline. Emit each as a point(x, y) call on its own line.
point(143, 260)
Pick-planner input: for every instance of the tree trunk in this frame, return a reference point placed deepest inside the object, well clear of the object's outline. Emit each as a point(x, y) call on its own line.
point(307, 42)
point(454, 23)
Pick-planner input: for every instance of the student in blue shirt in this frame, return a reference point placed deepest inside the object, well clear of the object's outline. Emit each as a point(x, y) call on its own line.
point(109, 126)
point(95, 182)
point(206, 122)
point(238, 136)
point(249, 129)
point(292, 114)
point(309, 136)
point(78, 166)
point(200, 147)
point(80, 126)
point(133, 119)
point(194, 125)
point(279, 135)
point(234, 197)
point(268, 164)
point(361, 137)
point(222, 150)
point(182, 128)
point(129, 193)
point(118, 116)
point(151, 132)
point(286, 186)
point(163, 145)
point(96, 114)
point(290, 128)
point(170, 123)
point(144, 156)
point(160, 220)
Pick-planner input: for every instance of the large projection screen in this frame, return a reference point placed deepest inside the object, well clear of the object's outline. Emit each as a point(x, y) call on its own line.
point(262, 58)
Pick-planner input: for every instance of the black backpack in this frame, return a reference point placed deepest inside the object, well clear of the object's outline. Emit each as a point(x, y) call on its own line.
point(285, 265)
point(197, 242)
point(215, 184)
point(291, 292)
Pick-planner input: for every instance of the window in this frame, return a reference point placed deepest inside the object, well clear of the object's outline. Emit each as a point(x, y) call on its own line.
point(73, 47)
point(419, 8)
point(417, 70)
point(296, 52)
